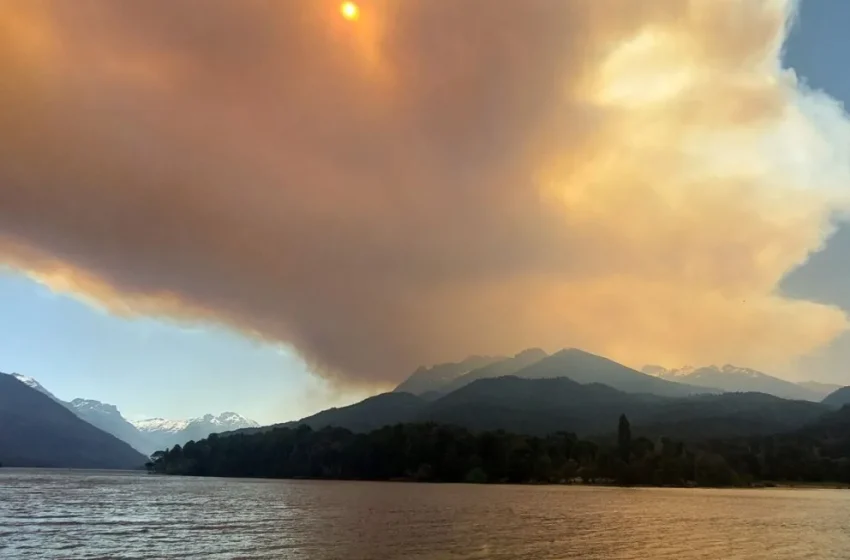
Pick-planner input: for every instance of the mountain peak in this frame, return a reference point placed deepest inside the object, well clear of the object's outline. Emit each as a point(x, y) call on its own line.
point(661, 371)
point(432, 378)
point(93, 405)
point(732, 378)
point(531, 353)
point(228, 419)
point(225, 421)
point(160, 425)
point(33, 384)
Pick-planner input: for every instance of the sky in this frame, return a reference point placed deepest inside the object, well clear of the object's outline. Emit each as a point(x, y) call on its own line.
point(266, 208)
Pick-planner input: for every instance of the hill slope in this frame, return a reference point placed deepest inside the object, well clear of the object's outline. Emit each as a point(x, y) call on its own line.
point(545, 406)
point(536, 406)
point(728, 415)
point(37, 431)
point(838, 398)
point(820, 390)
point(367, 415)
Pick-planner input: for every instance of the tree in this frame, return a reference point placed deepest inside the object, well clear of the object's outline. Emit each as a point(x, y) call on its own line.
point(713, 470)
point(476, 476)
point(624, 438)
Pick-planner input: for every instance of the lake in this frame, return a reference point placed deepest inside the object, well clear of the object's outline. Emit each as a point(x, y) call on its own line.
point(85, 514)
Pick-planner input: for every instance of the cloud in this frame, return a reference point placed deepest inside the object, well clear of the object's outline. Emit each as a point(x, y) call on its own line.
point(434, 180)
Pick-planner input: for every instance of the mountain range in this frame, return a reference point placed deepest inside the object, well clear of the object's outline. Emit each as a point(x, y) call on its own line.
point(37, 431)
point(536, 393)
point(168, 433)
point(738, 379)
point(146, 436)
point(584, 367)
point(529, 393)
point(547, 405)
point(578, 365)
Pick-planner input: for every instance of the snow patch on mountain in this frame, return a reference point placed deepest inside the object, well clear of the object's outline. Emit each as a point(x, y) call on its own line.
point(33, 384)
point(160, 425)
point(659, 371)
point(737, 379)
point(224, 421)
point(696, 372)
point(227, 420)
point(89, 405)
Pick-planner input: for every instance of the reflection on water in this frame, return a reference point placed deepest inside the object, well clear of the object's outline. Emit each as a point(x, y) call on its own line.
point(55, 514)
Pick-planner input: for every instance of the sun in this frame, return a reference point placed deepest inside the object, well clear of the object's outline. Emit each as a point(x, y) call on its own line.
point(350, 11)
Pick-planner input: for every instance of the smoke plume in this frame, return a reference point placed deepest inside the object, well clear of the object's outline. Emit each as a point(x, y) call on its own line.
point(435, 179)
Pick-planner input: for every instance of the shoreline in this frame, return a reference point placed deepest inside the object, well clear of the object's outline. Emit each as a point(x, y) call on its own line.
point(767, 485)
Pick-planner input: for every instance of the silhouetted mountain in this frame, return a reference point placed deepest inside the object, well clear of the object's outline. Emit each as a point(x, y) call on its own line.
point(544, 406)
point(536, 406)
point(367, 415)
point(820, 390)
point(108, 418)
point(101, 415)
point(734, 379)
point(548, 405)
point(149, 435)
point(33, 384)
point(508, 366)
point(168, 433)
point(833, 427)
point(728, 415)
point(436, 377)
point(37, 431)
point(584, 367)
point(838, 398)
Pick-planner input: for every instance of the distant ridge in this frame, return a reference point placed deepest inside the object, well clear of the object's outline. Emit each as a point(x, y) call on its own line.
point(735, 379)
point(548, 405)
point(508, 366)
point(584, 367)
point(839, 398)
point(165, 433)
point(433, 378)
point(534, 363)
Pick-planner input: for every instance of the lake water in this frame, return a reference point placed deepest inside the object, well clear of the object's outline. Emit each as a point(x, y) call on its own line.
point(76, 515)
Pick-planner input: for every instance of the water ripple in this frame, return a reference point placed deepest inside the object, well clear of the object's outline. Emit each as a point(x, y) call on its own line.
point(92, 515)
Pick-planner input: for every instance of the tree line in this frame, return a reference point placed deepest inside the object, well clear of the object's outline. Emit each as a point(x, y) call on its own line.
point(443, 453)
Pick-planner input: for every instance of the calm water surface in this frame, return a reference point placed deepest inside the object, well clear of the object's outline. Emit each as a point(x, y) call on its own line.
point(61, 514)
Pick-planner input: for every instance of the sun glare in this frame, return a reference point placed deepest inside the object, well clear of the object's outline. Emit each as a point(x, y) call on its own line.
point(349, 11)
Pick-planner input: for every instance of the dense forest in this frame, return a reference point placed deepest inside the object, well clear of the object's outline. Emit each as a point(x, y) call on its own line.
point(443, 453)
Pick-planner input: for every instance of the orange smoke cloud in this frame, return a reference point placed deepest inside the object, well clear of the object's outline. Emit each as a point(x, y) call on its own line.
point(432, 180)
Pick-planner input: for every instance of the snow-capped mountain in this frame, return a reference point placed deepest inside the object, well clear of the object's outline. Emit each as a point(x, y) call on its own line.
point(161, 425)
point(108, 418)
point(167, 433)
point(659, 371)
point(149, 435)
point(38, 430)
point(732, 378)
point(33, 384)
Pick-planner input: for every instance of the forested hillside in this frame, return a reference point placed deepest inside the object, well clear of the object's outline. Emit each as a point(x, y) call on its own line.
point(441, 453)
